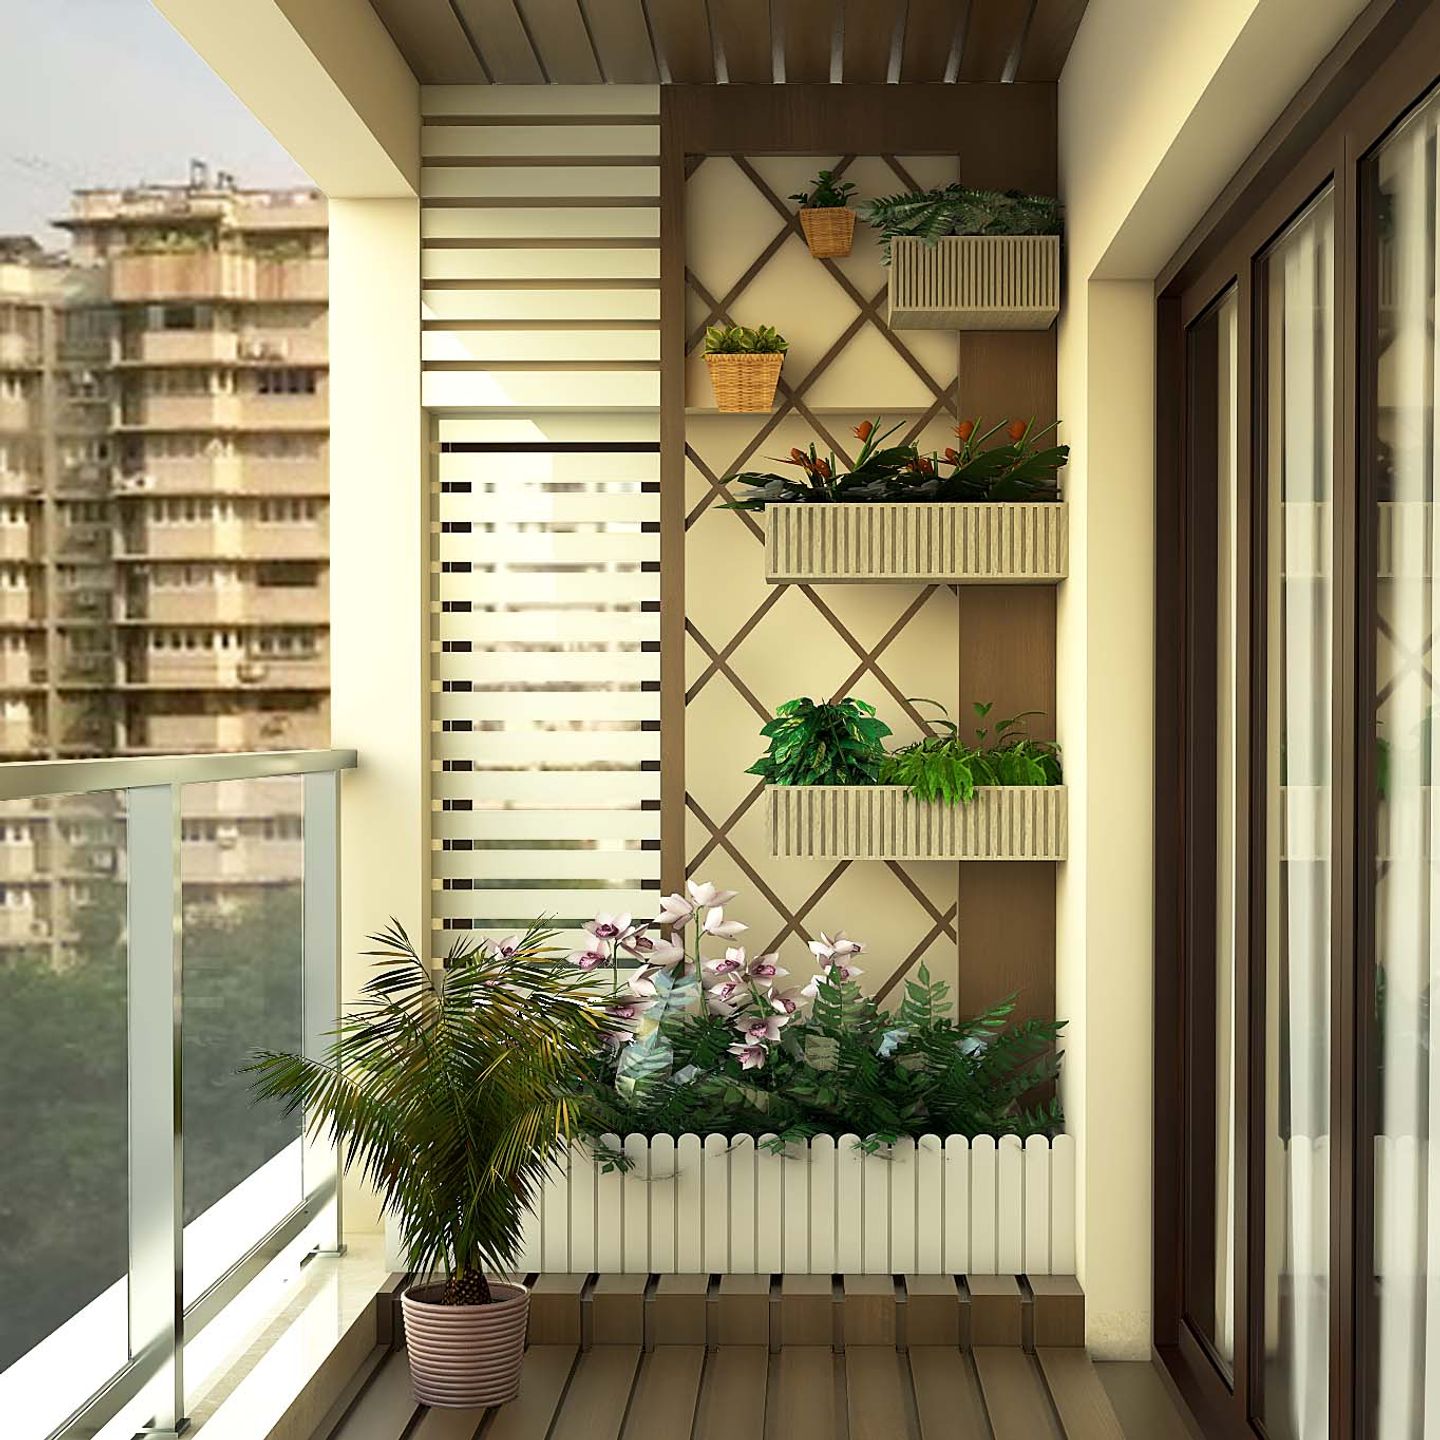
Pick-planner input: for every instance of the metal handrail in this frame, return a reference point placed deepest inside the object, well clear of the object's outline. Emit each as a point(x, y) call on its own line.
point(24, 779)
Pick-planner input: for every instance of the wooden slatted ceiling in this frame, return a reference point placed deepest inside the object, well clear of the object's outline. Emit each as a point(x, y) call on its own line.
point(540, 276)
point(581, 42)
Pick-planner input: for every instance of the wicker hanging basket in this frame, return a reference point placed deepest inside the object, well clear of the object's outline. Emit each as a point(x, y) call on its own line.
point(744, 384)
point(829, 230)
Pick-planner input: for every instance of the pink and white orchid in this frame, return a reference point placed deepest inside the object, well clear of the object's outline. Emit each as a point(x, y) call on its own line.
point(732, 964)
point(716, 924)
point(506, 949)
point(765, 968)
point(658, 953)
point(608, 927)
point(836, 973)
point(835, 947)
point(761, 1029)
point(591, 958)
point(751, 1057)
point(625, 1010)
point(724, 998)
point(786, 1002)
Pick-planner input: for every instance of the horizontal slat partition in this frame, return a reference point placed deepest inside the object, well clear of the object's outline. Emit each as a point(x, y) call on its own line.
point(540, 311)
point(886, 822)
point(978, 544)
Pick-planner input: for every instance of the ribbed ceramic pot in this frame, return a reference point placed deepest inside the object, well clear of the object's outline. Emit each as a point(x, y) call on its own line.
point(466, 1355)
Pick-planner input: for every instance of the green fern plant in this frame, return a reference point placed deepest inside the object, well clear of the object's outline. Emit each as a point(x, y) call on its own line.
point(944, 768)
point(451, 1092)
point(826, 744)
point(960, 210)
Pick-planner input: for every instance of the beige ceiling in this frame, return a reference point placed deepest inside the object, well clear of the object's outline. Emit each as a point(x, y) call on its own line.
point(579, 42)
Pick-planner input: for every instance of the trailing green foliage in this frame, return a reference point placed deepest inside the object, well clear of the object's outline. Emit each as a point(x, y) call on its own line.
point(847, 1067)
point(1011, 469)
point(942, 766)
point(961, 210)
point(451, 1091)
point(825, 744)
point(825, 193)
point(741, 340)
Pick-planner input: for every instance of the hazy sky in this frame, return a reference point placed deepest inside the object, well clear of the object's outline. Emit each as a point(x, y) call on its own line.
point(105, 92)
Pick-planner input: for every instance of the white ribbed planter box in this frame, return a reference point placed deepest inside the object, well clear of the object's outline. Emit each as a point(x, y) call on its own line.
point(886, 822)
point(1000, 543)
point(975, 282)
point(717, 1205)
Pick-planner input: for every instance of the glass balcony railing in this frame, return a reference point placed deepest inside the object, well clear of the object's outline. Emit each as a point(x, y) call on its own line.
point(161, 920)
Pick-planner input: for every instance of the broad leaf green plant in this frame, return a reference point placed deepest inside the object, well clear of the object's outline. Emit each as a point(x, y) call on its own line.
point(743, 340)
point(825, 193)
point(451, 1091)
point(757, 1055)
point(836, 743)
point(1003, 463)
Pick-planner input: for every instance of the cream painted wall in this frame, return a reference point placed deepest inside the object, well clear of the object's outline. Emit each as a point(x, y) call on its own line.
point(379, 551)
point(1159, 105)
point(324, 77)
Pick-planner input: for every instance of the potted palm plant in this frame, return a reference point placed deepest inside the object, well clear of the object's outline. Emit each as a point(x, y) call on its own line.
point(451, 1091)
point(744, 366)
point(826, 216)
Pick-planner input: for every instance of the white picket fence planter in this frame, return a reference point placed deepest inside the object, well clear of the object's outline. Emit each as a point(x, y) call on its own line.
point(720, 1205)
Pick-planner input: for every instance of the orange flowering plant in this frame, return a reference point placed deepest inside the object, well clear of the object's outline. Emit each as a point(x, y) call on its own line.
point(983, 467)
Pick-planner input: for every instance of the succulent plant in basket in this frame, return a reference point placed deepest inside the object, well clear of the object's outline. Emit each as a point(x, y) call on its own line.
point(826, 216)
point(744, 365)
point(451, 1091)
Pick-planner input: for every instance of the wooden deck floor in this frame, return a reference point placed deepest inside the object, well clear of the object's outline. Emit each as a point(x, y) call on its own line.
point(684, 1392)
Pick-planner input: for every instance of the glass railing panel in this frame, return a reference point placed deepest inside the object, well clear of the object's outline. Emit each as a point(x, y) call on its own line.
point(242, 969)
point(64, 1102)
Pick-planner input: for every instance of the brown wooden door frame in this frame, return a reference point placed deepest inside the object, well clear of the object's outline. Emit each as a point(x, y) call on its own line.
point(1387, 63)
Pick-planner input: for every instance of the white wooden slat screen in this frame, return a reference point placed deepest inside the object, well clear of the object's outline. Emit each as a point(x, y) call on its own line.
point(718, 1205)
point(540, 367)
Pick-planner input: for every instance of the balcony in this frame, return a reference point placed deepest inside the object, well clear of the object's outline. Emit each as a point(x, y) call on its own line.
point(182, 347)
point(18, 352)
point(181, 412)
point(253, 1200)
point(199, 276)
point(17, 415)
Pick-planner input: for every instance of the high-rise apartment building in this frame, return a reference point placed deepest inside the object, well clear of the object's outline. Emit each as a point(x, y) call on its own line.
point(163, 529)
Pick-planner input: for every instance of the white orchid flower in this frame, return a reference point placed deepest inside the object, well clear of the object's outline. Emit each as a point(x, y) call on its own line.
point(835, 947)
point(766, 967)
point(608, 927)
point(674, 910)
point(716, 924)
point(751, 1057)
point(761, 1029)
point(705, 894)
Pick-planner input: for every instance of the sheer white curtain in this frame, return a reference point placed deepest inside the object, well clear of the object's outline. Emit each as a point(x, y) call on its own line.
point(1300, 380)
point(1407, 1170)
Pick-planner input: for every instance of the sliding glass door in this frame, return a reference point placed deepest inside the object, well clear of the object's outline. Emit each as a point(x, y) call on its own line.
point(1405, 1048)
point(1297, 382)
point(1298, 816)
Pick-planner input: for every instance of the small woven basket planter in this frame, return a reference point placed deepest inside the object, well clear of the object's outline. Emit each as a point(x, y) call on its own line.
point(744, 384)
point(995, 543)
point(465, 1355)
point(975, 282)
point(829, 230)
point(886, 822)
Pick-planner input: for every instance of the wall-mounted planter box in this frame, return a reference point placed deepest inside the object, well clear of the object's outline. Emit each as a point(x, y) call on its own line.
point(975, 282)
point(969, 544)
point(886, 822)
point(705, 1205)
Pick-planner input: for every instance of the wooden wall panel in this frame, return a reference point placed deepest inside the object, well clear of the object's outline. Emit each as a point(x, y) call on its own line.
point(744, 645)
